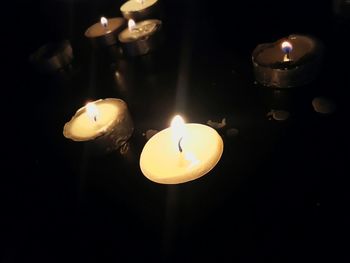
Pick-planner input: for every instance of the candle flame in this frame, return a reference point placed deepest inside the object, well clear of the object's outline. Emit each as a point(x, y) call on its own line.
point(286, 46)
point(131, 24)
point(104, 21)
point(178, 129)
point(92, 111)
point(177, 122)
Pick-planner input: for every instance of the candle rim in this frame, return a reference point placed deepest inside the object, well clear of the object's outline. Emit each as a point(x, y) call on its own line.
point(316, 50)
point(66, 129)
point(146, 7)
point(126, 31)
point(115, 24)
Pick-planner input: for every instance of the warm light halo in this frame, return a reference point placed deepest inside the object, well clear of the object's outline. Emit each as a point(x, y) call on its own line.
point(177, 121)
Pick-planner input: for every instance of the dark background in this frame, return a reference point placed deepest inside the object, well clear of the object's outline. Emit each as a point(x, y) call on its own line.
point(278, 194)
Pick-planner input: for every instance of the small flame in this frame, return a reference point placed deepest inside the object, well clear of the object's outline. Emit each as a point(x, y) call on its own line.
point(177, 122)
point(92, 111)
point(286, 46)
point(178, 130)
point(131, 24)
point(104, 21)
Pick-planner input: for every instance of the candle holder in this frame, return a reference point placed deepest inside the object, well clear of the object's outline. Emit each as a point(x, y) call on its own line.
point(141, 38)
point(139, 10)
point(288, 62)
point(181, 153)
point(109, 128)
point(53, 56)
point(105, 33)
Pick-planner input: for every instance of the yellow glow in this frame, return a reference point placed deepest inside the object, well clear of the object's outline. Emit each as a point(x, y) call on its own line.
point(131, 24)
point(92, 111)
point(104, 21)
point(83, 126)
point(177, 122)
point(161, 162)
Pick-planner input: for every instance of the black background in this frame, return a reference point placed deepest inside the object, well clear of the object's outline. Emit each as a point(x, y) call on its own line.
point(278, 194)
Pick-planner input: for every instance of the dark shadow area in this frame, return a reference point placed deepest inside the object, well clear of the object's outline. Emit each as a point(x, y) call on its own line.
point(278, 194)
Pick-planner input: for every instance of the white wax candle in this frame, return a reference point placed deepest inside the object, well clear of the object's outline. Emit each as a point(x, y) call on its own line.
point(140, 30)
point(87, 125)
point(105, 32)
point(84, 127)
point(137, 5)
point(172, 157)
point(105, 123)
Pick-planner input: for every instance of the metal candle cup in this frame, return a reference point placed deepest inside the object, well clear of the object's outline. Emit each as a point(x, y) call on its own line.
point(275, 66)
point(106, 124)
point(105, 32)
point(142, 38)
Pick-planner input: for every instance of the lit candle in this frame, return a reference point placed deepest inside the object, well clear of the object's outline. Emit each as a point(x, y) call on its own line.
point(181, 153)
point(105, 32)
point(105, 122)
point(140, 9)
point(288, 62)
point(140, 38)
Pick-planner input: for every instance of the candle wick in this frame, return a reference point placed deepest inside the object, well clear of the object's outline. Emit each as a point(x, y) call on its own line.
point(95, 118)
point(287, 57)
point(179, 145)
